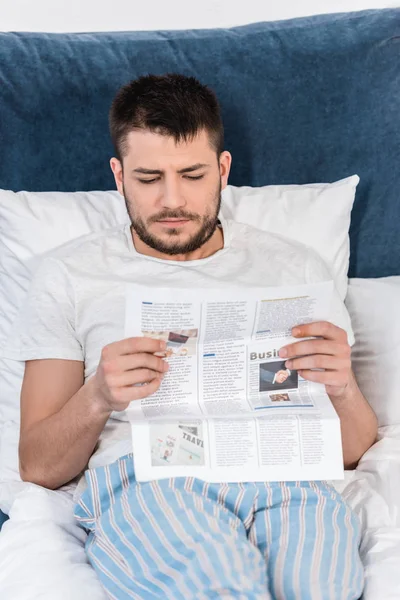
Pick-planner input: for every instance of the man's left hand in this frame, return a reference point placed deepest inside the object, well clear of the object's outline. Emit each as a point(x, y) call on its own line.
point(331, 353)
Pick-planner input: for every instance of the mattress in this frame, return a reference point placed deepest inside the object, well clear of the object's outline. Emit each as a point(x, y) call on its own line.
point(42, 549)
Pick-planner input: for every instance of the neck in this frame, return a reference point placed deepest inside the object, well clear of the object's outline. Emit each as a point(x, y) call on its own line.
point(215, 243)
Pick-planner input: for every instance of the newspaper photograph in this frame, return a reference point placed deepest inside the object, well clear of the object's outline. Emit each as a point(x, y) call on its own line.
point(177, 444)
point(229, 409)
point(271, 383)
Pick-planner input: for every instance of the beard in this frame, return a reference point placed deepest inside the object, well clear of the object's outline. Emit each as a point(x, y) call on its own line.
point(207, 226)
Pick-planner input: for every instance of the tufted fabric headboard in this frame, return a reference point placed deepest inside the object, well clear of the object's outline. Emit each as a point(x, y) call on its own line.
point(313, 99)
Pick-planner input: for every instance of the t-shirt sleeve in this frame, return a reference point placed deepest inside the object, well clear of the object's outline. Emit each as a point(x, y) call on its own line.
point(317, 270)
point(45, 323)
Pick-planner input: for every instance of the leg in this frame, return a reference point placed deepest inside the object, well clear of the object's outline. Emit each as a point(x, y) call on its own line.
point(166, 539)
point(310, 539)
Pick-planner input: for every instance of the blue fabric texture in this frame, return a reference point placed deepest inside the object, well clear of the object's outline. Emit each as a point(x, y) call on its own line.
point(314, 99)
point(183, 538)
point(3, 518)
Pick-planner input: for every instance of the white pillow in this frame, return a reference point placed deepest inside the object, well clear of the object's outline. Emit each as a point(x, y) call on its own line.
point(374, 307)
point(315, 214)
point(35, 223)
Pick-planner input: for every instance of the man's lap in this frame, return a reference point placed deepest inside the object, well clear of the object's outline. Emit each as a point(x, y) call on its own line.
point(184, 538)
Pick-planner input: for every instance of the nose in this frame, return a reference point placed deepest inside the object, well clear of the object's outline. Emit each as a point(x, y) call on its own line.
point(172, 197)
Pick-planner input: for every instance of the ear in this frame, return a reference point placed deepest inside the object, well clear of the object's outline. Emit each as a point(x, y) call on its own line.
point(116, 168)
point(225, 161)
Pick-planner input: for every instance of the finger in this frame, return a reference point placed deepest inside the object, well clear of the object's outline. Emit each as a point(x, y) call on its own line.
point(133, 377)
point(323, 329)
point(128, 362)
point(128, 393)
point(327, 377)
point(314, 347)
point(318, 361)
point(132, 345)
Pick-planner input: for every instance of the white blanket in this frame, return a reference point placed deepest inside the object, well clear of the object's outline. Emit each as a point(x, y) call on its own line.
point(42, 550)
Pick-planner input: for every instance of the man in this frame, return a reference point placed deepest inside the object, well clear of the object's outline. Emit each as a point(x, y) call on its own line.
point(178, 538)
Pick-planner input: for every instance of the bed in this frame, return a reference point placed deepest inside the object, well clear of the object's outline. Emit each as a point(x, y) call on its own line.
point(304, 100)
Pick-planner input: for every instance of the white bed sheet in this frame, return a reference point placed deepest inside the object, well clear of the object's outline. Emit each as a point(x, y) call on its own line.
point(42, 550)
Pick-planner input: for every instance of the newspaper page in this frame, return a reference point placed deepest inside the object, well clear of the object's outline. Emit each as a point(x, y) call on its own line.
point(228, 409)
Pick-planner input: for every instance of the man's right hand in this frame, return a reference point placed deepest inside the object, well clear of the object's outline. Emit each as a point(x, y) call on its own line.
point(122, 366)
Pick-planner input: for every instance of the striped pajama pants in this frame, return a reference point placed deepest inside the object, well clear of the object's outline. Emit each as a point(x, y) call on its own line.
point(183, 539)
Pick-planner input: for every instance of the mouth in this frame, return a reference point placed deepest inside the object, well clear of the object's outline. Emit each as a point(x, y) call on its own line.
point(173, 223)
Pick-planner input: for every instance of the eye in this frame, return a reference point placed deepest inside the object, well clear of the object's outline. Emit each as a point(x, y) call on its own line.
point(193, 178)
point(148, 180)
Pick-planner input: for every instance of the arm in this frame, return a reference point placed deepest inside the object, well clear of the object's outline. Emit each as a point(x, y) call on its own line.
point(333, 354)
point(358, 422)
point(62, 418)
point(267, 376)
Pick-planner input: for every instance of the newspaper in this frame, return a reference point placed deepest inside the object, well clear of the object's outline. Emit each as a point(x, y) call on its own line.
point(228, 409)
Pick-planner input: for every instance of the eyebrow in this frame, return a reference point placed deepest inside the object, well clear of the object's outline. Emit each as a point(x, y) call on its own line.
point(159, 172)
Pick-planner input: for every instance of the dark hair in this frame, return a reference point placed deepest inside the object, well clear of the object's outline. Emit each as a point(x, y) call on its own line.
point(170, 104)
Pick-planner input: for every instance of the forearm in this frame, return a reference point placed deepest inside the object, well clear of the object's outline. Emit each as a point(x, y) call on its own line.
point(56, 449)
point(357, 421)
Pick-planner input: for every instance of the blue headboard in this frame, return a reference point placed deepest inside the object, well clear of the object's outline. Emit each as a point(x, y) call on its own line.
point(3, 519)
point(304, 100)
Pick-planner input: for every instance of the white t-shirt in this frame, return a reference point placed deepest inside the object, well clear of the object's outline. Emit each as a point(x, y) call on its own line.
point(76, 301)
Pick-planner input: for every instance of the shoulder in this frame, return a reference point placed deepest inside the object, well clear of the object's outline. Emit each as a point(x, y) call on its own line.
point(243, 235)
point(87, 249)
point(281, 249)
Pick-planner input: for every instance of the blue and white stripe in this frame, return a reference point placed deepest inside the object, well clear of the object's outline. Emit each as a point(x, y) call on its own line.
point(184, 539)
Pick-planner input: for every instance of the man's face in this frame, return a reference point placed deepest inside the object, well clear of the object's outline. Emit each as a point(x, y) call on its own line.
point(281, 376)
point(172, 191)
